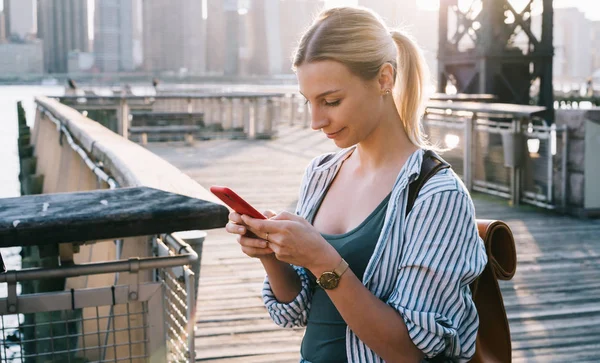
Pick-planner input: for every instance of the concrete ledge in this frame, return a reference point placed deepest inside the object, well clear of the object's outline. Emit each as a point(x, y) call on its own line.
point(128, 163)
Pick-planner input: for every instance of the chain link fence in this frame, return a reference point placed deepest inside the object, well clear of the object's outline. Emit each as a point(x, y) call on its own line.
point(140, 322)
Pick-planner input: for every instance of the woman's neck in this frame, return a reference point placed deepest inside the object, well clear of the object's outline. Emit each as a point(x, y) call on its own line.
point(387, 146)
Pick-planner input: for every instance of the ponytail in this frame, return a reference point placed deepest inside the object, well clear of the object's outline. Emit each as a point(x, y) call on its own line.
point(412, 77)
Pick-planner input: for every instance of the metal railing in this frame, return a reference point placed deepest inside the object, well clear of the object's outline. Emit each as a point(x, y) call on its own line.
point(253, 115)
point(139, 322)
point(520, 158)
point(136, 319)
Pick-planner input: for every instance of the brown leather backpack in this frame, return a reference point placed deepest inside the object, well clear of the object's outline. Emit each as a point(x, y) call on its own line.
point(493, 338)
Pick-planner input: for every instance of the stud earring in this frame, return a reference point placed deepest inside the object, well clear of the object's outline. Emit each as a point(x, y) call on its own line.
point(387, 92)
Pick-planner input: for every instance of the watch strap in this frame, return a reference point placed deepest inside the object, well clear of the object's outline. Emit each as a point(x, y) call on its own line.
point(341, 268)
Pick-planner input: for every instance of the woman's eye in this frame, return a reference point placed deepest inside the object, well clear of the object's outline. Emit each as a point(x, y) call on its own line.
point(332, 103)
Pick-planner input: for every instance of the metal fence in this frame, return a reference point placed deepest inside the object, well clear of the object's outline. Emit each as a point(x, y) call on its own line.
point(140, 322)
point(519, 158)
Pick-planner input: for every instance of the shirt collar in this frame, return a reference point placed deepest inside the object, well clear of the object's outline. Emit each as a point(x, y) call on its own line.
point(410, 170)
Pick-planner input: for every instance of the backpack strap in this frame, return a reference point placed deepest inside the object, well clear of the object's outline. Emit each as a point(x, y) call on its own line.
point(431, 165)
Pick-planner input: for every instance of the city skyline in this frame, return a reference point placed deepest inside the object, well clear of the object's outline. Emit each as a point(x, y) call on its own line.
point(234, 37)
point(591, 8)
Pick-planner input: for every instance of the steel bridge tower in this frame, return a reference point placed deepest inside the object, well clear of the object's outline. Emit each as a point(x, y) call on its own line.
point(490, 47)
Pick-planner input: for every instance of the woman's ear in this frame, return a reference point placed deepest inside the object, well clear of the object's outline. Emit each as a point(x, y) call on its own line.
point(386, 77)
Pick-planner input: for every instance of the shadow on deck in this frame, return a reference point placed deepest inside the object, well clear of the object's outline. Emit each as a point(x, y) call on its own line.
point(553, 302)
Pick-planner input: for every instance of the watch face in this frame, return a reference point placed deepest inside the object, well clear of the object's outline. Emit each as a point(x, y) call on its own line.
point(329, 280)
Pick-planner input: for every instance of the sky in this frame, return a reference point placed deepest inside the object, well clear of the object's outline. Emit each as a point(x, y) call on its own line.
point(591, 8)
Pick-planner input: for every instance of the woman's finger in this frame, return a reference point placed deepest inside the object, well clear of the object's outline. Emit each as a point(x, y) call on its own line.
point(235, 228)
point(236, 218)
point(269, 214)
point(256, 252)
point(252, 242)
point(283, 216)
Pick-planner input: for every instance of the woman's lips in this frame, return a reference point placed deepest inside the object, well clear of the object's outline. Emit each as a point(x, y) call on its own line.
point(334, 134)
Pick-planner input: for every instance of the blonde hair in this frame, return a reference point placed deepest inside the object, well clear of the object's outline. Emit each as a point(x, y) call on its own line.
point(359, 39)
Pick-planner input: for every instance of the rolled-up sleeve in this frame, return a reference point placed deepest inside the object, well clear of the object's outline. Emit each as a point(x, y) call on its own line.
point(294, 313)
point(441, 255)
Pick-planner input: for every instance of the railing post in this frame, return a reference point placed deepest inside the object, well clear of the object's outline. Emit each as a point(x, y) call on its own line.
point(246, 109)
point(468, 151)
point(306, 115)
point(207, 109)
point(237, 105)
point(292, 109)
point(253, 119)
point(563, 187)
point(515, 170)
point(195, 239)
point(271, 113)
point(123, 118)
point(214, 111)
point(227, 106)
point(221, 111)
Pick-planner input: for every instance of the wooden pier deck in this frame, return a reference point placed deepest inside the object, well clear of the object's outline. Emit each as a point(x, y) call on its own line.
point(553, 302)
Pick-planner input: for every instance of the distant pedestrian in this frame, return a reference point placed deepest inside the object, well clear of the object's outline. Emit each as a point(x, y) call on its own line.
point(71, 87)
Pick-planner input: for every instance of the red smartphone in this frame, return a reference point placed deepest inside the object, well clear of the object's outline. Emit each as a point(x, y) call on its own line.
point(236, 202)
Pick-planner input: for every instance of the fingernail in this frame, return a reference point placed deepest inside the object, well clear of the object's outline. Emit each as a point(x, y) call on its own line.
point(241, 229)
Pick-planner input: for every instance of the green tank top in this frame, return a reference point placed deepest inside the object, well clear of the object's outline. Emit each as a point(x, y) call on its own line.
point(325, 336)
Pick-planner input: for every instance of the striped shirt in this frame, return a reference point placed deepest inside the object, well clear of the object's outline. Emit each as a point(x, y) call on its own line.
point(422, 264)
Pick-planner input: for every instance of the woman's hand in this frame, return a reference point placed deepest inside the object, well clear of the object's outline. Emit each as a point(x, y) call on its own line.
point(251, 244)
point(295, 241)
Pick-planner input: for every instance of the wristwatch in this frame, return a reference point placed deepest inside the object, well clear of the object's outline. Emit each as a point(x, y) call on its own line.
point(330, 279)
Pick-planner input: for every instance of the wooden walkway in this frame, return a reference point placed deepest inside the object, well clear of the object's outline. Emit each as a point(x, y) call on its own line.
point(553, 302)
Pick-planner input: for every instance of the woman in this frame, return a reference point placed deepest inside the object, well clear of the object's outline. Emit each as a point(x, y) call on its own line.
point(369, 283)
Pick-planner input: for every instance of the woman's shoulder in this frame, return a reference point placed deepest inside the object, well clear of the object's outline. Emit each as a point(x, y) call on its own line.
point(445, 181)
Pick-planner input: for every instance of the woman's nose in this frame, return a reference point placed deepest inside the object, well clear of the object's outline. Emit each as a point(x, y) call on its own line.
point(318, 119)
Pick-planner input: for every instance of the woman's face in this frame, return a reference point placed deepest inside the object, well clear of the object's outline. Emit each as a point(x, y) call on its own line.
point(345, 107)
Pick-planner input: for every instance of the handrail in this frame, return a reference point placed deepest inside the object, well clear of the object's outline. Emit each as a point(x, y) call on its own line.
point(488, 108)
point(173, 95)
point(97, 268)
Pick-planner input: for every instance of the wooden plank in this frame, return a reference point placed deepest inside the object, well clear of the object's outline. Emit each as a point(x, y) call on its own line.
point(101, 215)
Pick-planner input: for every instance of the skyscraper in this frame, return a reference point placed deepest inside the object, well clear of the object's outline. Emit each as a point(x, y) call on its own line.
point(63, 26)
point(595, 45)
point(271, 31)
point(2, 27)
point(572, 60)
point(263, 37)
point(226, 25)
point(174, 36)
point(296, 16)
point(215, 26)
point(117, 35)
point(21, 16)
point(6, 25)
